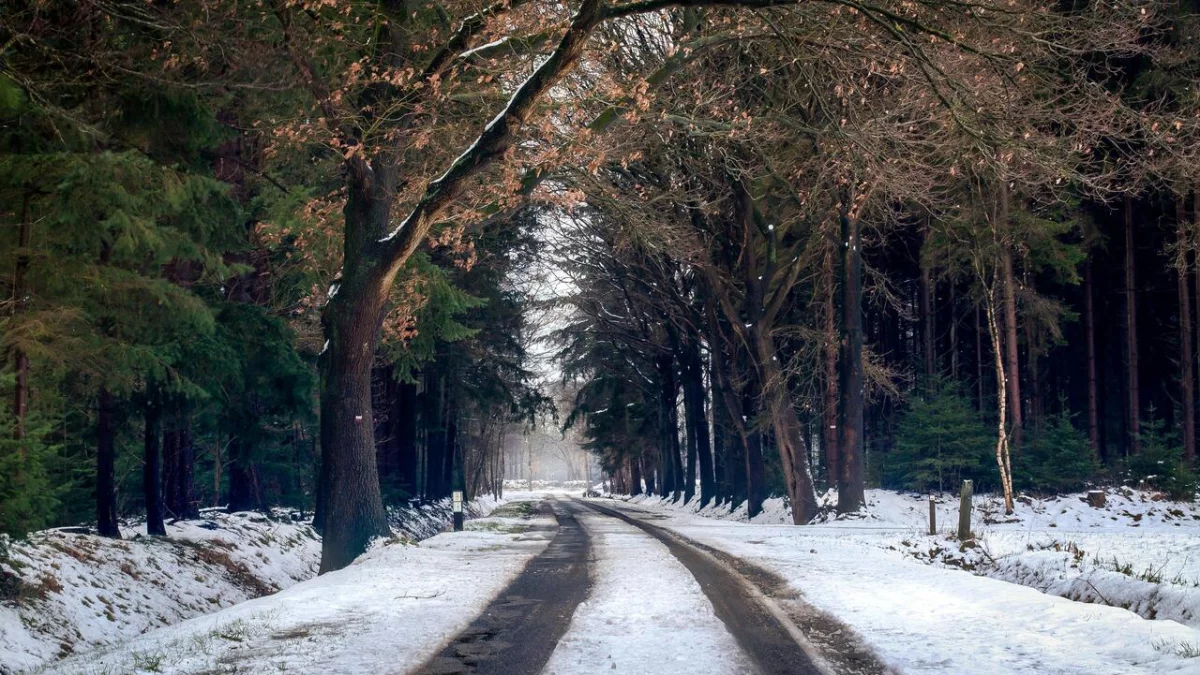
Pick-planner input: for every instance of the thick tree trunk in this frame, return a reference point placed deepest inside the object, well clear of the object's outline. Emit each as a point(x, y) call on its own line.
point(106, 462)
point(354, 509)
point(151, 472)
point(1132, 389)
point(789, 433)
point(1089, 329)
point(1187, 386)
point(852, 384)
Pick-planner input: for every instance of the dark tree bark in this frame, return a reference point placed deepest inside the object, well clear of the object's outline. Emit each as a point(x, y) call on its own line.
point(978, 362)
point(829, 426)
point(435, 434)
point(106, 462)
point(170, 468)
point(953, 311)
point(1132, 389)
point(151, 471)
point(852, 385)
point(1186, 368)
point(404, 431)
point(635, 476)
point(1089, 329)
point(668, 417)
point(756, 470)
point(245, 490)
point(1012, 361)
point(697, 420)
point(927, 321)
point(20, 358)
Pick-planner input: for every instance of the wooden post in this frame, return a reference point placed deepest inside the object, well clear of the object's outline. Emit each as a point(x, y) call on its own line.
point(932, 516)
point(964, 511)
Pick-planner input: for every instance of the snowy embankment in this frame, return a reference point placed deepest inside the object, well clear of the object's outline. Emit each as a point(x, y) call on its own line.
point(395, 605)
point(874, 573)
point(72, 592)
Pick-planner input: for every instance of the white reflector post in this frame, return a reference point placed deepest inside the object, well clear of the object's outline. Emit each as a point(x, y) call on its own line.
point(458, 499)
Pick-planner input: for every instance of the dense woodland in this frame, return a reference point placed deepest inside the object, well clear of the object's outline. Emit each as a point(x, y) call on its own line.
point(276, 253)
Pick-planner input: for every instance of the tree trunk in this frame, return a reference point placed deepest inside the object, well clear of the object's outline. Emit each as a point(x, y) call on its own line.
point(927, 324)
point(245, 493)
point(789, 434)
point(170, 468)
point(20, 358)
point(829, 426)
point(1183, 264)
point(404, 431)
point(953, 332)
point(151, 472)
point(106, 475)
point(756, 470)
point(695, 409)
point(1003, 455)
point(978, 361)
point(669, 426)
point(852, 385)
point(188, 505)
point(1133, 391)
point(1089, 328)
point(635, 476)
point(1012, 365)
point(435, 434)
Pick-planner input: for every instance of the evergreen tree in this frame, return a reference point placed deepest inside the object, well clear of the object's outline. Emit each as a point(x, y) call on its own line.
point(940, 441)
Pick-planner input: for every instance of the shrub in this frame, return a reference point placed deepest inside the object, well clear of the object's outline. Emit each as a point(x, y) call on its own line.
point(940, 441)
point(1056, 458)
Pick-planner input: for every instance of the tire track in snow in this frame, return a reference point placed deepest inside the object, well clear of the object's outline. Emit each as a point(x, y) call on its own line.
point(646, 613)
point(764, 631)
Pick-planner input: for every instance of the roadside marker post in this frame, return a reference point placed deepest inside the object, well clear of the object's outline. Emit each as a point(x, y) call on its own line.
point(964, 511)
point(457, 497)
point(932, 516)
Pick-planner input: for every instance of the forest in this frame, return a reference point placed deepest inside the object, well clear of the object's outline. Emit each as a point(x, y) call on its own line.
point(341, 255)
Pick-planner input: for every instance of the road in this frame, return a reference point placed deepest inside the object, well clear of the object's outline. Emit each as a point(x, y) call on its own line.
point(708, 612)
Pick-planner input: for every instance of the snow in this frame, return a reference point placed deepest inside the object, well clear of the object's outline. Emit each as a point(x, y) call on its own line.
point(645, 611)
point(480, 48)
point(397, 604)
point(86, 592)
point(92, 592)
point(934, 618)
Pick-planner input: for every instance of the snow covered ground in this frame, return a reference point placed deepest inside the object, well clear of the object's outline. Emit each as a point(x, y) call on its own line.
point(874, 574)
point(393, 607)
point(81, 592)
point(646, 613)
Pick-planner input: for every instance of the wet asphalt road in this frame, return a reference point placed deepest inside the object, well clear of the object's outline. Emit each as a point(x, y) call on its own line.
point(517, 633)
